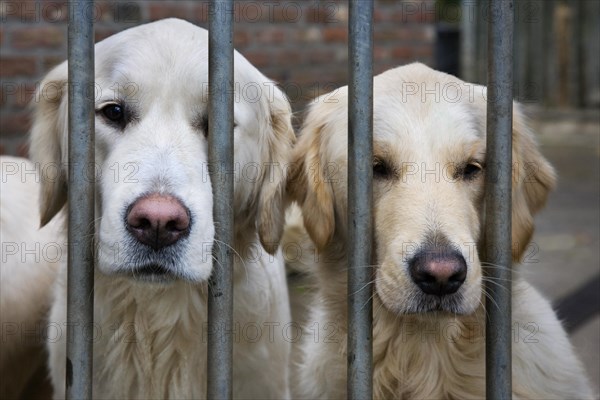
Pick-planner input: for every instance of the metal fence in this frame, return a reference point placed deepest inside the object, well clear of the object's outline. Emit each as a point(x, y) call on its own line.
point(220, 304)
point(555, 62)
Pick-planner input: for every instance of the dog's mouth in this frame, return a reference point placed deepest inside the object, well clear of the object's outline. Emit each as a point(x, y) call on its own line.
point(154, 273)
point(426, 304)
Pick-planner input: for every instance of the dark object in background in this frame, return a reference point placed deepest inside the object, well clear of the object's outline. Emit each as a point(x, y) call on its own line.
point(447, 49)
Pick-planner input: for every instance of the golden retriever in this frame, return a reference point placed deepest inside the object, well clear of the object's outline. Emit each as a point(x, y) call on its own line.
point(154, 228)
point(429, 317)
point(31, 258)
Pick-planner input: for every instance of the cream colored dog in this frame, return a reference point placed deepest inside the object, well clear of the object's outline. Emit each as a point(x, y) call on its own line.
point(31, 258)
point(429, 317)
point(154, 216)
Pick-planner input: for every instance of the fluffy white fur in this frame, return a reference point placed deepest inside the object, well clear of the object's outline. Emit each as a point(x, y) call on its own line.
point(151, 336)
point(423, 347)
point(30, 261)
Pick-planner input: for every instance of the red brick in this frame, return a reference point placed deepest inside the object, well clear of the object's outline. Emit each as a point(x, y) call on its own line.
point(270, 36)
point(320, 56)
point(337, 34)
point(50, 62)
point(384, 34)
point(101, 34)
point(23, 11)
point(423, 52)
point(171, 10)
point(402, 52)
point(380, 53)
point(380, 15)
point(310, 35)
point(241, 38)
point(199, 12)
point(49, 36)
point(258, 58)
point(14, 124)
point(17, 66)
point(288, 57)
point(323, 13)
point(288, 12)
point(54, 11)
point(103, 12)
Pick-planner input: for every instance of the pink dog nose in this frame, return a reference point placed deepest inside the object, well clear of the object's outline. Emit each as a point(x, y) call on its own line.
point(438, 271)
point(158, 221)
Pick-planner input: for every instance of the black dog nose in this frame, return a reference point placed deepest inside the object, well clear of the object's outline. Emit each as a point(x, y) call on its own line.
point(439, 271)
point(158, 221)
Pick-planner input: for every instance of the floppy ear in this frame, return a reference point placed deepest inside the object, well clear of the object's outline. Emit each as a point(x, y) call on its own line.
point(279, 140)
point(49, 141)
point(308, 184)
point(533, 178)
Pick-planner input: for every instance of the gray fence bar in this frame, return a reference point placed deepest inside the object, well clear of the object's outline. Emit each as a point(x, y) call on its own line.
point(498, 200)
point(360, 200)
point(220, 139)
point(80, 282)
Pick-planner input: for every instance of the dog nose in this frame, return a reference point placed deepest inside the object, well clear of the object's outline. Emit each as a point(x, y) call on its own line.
point(439, 272)
point(158, 220)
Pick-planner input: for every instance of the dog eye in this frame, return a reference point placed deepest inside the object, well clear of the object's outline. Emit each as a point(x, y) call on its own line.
point(114, 113)
point(381, 169)
point(471, 170)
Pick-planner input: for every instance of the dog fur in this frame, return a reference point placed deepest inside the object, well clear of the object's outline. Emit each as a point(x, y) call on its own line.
point(150, 332)
point(30, 262)
point(429, 172)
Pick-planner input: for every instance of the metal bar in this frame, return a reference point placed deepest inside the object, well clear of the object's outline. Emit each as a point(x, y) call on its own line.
point(498, 199)
point(220, 142)
point(360, 200)
point(80, 281)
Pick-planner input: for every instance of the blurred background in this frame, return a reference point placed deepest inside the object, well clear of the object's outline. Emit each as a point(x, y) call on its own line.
point(303, 46)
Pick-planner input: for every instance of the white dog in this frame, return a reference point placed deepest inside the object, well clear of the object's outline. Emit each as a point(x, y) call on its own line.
point(154, 216)
point(31, 258)
point(429, 316)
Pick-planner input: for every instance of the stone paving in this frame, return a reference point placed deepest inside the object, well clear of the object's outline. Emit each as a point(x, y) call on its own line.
point(568, 229)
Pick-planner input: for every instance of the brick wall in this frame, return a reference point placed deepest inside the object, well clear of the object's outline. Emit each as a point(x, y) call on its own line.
point(301, 44)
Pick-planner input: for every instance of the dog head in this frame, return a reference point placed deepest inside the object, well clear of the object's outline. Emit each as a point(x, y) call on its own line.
point(428, 184)
point(153, 191)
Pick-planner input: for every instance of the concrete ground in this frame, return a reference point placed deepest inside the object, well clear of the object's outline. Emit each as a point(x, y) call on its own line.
point(568, 230)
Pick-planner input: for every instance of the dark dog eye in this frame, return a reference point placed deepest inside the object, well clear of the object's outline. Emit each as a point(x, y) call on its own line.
point(114, 113)
point(381, 169)
point(471, 170)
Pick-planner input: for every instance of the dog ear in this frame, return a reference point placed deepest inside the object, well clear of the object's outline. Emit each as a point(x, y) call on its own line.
point(533, 178)
point(279, 139)
point(49, 141)
point(309, 185)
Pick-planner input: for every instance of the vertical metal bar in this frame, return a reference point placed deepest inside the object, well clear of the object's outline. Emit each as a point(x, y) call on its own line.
point(498, 199)
point(360, 200)
point(80, 281)
point(468, 36)
point(220, 142)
